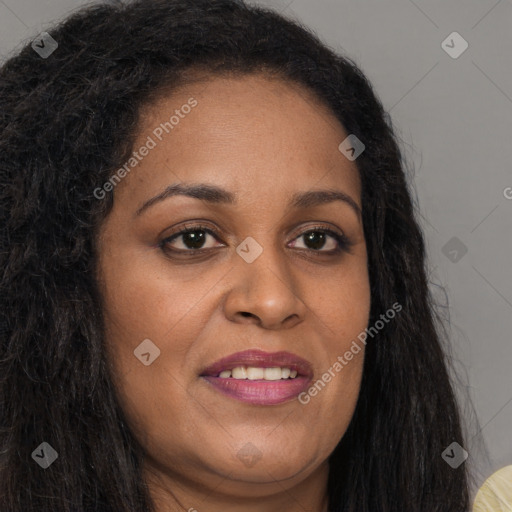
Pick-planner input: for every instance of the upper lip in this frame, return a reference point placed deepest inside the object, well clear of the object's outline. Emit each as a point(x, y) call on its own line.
point(260, 359)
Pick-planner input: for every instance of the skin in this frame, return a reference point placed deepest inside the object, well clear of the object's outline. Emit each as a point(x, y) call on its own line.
point(263, 139)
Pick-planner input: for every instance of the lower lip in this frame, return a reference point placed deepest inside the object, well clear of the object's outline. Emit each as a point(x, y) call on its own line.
point(260, 392)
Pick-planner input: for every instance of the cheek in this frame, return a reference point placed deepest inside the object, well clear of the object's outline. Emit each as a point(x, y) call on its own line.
point(343, 309)
point(141, 304)
point(143, 300)
point(342, 303)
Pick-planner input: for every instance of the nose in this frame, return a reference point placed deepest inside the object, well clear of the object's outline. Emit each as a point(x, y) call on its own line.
point(265, 292)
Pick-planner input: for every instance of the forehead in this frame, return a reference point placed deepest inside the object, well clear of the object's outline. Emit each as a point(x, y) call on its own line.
point(250, 134)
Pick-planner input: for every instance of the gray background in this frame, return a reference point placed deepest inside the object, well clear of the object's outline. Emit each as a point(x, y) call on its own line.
point(454, 120)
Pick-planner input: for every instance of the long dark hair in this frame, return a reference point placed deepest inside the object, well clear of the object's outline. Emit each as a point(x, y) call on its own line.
point(67, 122)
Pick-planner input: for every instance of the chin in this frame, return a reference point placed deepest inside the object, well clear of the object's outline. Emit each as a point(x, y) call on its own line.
point(265, 464)
point(273, 473)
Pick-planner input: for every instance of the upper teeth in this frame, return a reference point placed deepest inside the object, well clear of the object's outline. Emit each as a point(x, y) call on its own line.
point(252, 373)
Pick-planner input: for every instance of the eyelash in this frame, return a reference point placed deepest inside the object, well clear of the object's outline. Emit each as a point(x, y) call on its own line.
point(344, 243)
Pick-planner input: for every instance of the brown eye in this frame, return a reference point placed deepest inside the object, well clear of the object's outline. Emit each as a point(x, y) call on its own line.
point(189, 240)
point(316, 239)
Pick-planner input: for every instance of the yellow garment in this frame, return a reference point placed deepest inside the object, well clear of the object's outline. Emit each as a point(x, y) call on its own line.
point(495, 495)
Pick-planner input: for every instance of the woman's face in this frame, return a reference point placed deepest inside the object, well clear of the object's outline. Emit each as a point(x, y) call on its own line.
point(268, 279)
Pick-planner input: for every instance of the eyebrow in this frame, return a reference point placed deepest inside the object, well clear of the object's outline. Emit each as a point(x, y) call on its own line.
point(216, 195)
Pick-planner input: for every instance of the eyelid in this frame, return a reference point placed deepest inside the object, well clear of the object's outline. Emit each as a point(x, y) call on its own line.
point(318, 227)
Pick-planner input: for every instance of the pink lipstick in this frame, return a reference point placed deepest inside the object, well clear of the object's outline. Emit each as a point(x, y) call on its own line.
point(260, 378)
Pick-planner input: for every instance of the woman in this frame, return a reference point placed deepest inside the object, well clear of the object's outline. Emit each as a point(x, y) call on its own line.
point(213, 286)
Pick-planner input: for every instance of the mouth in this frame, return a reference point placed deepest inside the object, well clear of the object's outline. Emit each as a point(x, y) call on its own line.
point(258, 377)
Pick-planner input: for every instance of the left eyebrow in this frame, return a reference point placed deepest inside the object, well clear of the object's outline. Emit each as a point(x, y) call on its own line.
point(216, 195)
point(319, 197)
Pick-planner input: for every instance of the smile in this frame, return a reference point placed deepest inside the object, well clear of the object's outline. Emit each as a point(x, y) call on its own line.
point(259, 378)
